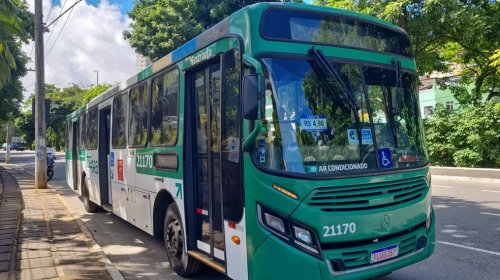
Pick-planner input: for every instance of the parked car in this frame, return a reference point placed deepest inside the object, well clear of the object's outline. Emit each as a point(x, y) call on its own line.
point(13, 146)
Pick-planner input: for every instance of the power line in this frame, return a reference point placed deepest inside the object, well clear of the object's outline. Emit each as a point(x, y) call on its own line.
point(70, 8)
point(50, 33)
point(69, 15)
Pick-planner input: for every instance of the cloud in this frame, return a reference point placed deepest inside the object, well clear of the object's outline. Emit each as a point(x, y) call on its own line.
point(91, 40)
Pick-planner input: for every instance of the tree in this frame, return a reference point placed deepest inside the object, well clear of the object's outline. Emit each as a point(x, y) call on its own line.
point(446, 33)
point(465, 138)
point(15, 28)
point(160, 26)
point(93, 92)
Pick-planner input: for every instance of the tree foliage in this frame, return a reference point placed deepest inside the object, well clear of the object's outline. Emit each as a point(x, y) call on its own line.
point(465, 138)
point(14, 27)
point(160, 26)
point(93, 92)
point(63, 102)
point(15, 20)
point(444, 34)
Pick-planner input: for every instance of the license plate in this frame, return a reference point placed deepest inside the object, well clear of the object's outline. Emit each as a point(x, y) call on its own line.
point(386, 253)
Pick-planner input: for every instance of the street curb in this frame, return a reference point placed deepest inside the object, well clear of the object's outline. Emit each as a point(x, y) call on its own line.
point(480, 173)
point(113, 272)
point(484, 180)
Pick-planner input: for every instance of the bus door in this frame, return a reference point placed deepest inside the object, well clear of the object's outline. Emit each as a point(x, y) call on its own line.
point(217, 169)
point(104, 155)
point(208, 200)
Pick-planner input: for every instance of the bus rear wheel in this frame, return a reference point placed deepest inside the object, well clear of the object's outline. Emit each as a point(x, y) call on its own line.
point(90, 206)
point(173, 236)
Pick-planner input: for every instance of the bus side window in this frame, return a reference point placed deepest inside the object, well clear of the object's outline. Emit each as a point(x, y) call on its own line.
point(118, 137)
point(138, 125)
point(92, 119)
point(82, 133)
point(164, 109)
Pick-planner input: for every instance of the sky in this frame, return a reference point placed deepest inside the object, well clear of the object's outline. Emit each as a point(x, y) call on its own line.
point(91, 40)
point(83, 41)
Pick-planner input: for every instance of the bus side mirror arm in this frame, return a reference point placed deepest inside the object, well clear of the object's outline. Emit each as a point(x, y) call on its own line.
point(252, 91)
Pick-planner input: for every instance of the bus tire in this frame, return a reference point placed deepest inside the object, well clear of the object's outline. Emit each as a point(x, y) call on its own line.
point(173, 236)
point(90, 206)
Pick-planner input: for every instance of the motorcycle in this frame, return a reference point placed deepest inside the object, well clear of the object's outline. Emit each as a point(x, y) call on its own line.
point(50, 167)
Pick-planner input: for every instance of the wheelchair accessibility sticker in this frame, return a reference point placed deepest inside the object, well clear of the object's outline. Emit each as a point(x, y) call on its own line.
point(384, 157)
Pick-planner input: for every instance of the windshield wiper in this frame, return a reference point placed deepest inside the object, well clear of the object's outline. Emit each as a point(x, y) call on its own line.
point(320, 58)
point(390, 112)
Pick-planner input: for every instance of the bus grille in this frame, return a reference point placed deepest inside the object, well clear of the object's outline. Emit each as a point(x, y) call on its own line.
point(368, 196)
point(356, 257)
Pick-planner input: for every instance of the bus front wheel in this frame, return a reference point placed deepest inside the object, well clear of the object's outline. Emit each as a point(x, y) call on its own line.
point(173, 235)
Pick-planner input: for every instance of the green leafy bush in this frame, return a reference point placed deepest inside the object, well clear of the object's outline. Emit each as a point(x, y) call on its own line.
point(469, 137)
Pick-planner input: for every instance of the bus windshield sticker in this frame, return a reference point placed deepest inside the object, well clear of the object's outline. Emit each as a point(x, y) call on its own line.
point(233, 149)
point(313, 123)
point(262, 151)
point(385, 158)
point(366, 136)
point(330, 168)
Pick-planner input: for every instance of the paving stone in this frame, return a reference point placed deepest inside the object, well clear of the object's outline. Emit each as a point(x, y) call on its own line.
point(4, 266)
point(9, 236)
point(35, 263)
point(10, 230)
point(6, 242)
point(5, 256)
point(5, 249)
point(25, 254)
point(35, 245)
point(38, 273)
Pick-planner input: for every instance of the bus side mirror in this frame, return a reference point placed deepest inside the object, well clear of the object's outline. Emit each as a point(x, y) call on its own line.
point(250, 97)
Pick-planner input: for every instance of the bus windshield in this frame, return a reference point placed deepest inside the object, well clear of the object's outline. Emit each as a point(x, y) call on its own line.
point(311, 128)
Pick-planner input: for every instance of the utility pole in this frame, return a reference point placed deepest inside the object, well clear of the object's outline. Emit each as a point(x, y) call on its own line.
point(40, 126)
point(97, 73)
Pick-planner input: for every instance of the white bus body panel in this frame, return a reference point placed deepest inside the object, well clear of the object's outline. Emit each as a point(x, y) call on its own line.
point(236, 255)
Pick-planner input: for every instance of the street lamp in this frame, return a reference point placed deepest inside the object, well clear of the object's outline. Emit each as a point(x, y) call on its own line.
point(97, 77)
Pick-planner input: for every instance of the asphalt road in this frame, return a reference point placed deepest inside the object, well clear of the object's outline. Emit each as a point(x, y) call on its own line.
point(467, 232)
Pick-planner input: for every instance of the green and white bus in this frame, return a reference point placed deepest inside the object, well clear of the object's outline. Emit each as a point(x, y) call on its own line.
point(285, 142)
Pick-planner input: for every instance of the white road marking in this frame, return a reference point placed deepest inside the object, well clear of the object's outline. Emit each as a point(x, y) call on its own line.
point(470, 248)
point(492, 214)
point(490, 191)
point(443, 187)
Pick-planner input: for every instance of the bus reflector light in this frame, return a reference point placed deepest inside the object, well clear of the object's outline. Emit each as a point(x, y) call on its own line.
point(236, 240)
point(285, 191)
point(231, 225)
point(274, 222)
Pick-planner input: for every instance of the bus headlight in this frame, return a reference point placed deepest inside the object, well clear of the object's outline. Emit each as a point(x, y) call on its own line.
point(275, 222)
point(291, 232)
point(302, 234)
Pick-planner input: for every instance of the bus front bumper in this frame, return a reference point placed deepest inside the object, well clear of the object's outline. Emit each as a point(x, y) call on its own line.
point(275, 259)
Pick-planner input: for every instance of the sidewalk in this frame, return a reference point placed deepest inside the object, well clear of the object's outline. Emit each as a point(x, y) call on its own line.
point(39, 238)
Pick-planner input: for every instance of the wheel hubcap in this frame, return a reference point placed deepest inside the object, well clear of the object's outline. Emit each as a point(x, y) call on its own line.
point(173, 239)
